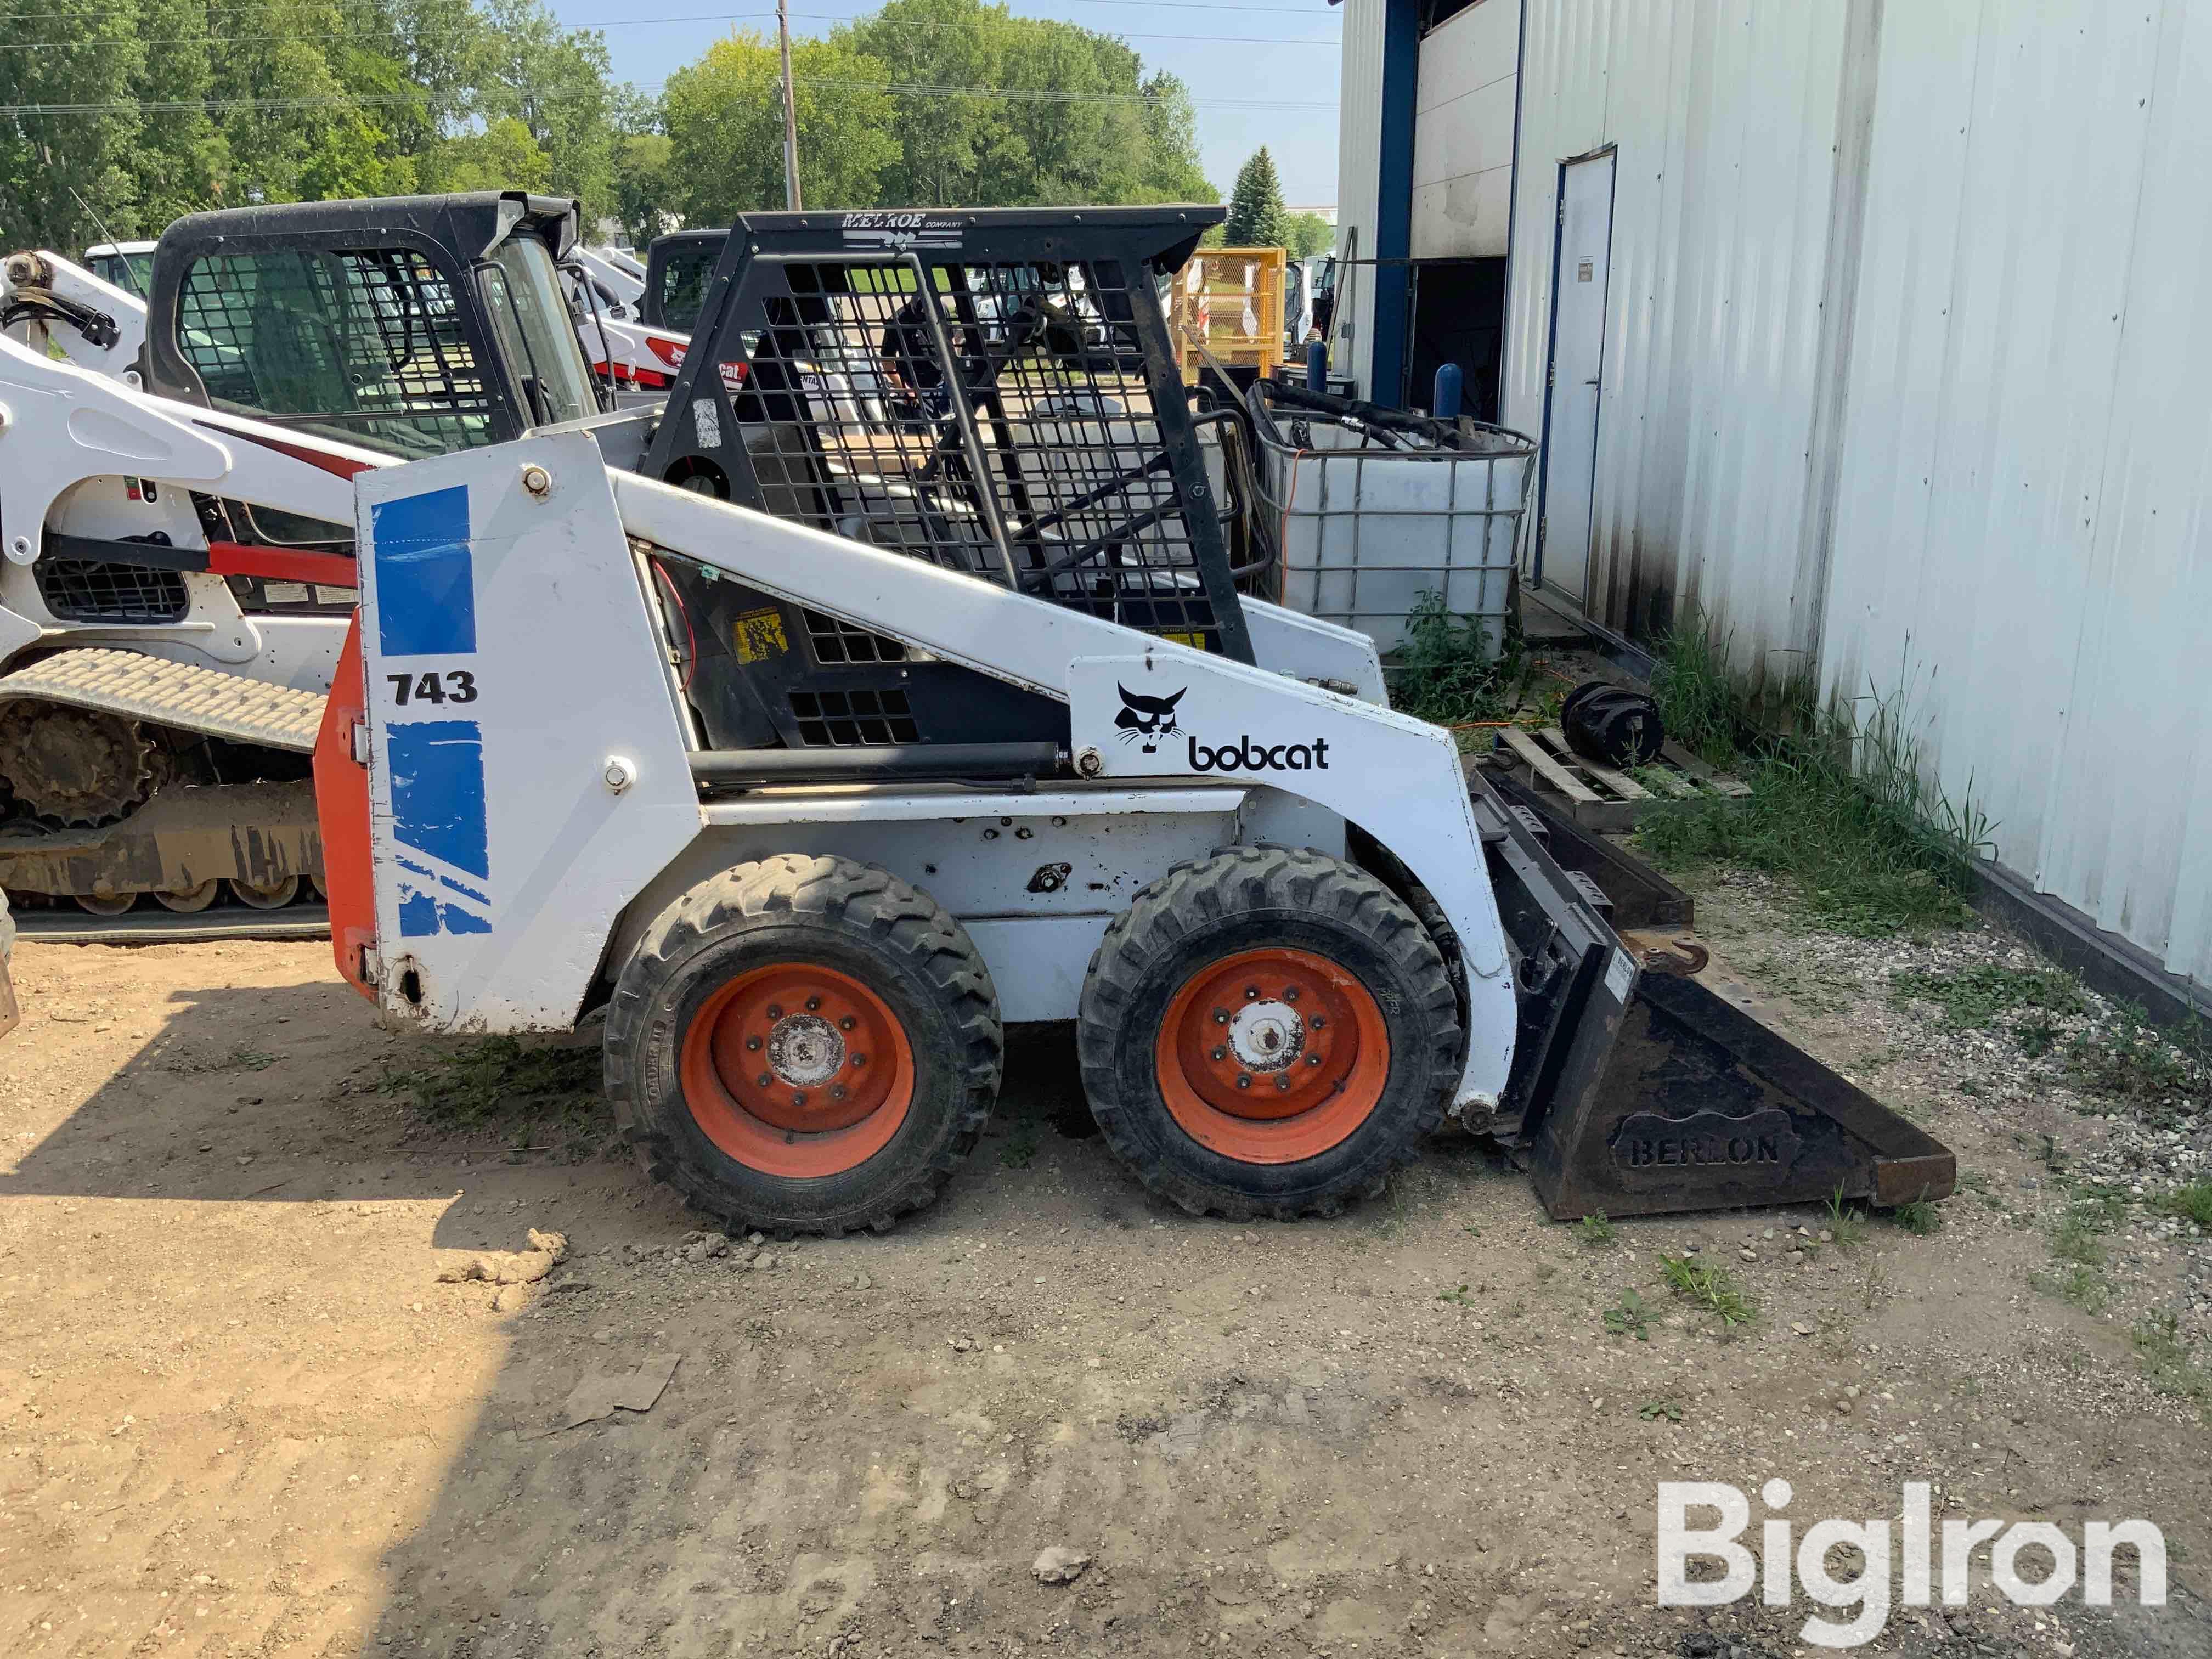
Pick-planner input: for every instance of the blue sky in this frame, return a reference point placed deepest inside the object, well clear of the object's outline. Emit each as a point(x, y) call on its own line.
point(1251, 86)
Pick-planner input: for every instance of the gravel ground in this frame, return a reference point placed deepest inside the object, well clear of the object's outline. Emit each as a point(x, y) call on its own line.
point(250, 1403)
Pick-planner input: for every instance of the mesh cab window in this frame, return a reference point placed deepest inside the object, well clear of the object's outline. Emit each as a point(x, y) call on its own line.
point(364, 346)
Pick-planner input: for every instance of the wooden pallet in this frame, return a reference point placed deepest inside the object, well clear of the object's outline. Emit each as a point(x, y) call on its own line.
point(1597, 797)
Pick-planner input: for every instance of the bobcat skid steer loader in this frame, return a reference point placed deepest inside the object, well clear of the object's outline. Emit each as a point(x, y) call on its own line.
point(852, 735)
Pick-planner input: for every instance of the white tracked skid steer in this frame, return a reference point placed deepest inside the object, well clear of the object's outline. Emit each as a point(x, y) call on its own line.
point(892, 686)
point(176, 581)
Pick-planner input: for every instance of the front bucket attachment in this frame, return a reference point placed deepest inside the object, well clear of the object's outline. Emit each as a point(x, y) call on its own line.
point(1699, 1107)
point(1636, 1091)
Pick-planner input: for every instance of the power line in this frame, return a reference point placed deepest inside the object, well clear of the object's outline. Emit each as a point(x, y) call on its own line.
point(913, 89)
point(288, 5)
point(635, 23)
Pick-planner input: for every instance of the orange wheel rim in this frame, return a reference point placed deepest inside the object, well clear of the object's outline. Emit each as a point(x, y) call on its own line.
point(797, 1069)
point(1271, 1056)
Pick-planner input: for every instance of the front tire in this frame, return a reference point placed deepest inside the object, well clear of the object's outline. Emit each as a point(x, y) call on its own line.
point(805, 1045)
point(1268, 1032)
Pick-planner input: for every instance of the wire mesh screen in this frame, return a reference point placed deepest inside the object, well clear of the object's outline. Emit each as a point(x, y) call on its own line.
point(90, 590)
point(365, 346)
point(994, 418)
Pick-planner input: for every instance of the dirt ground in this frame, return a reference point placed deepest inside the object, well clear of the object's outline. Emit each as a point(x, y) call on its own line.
point(239, 1413)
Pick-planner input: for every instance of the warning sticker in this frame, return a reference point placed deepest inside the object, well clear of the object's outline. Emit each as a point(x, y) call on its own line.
point(758, 635)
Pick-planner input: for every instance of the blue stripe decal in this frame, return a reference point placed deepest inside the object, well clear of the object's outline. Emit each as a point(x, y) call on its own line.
point(438, 792)
point(426, 602)
point(465, 889)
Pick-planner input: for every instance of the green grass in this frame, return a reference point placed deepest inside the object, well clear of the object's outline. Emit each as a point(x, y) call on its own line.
point(1918, 1216)
point(1872, 850)
point(1446, 673)
point(1652, 1410)
point(1709, 1287)
point(1021, 1146)
point(1973, 997)
point(1458, 1298)
point(2077, 1284)
point(2079, 1234)
point(242, 1059)
point(1631, 1318)
point(1699, 702)
point(2191, 1203)
point(2170, 1071)
point(1594, 1229)
point(2165, 1359)
point(499, 1079)
point(1846, 1221)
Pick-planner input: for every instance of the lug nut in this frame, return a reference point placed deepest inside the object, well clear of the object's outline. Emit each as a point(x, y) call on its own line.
point(1244, 1080)
point(799, 1099)
point(1313, 1059)
point(837, 1091)
point(1221, 1054)
point(813, 1003)
point(1291, 994)
point(775, 1011)
point(1251, 993)
point(1318, 1022)
point(766, 1081)
point(1281, 1084)
point(847, 1023)
point(1221, 1017)
point(859, 1060)
point(752, 1043)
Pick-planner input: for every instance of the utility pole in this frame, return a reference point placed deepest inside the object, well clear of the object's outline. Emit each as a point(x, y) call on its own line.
point(791, 198)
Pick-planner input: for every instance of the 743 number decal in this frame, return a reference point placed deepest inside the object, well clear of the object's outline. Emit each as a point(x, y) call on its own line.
point(455, 685)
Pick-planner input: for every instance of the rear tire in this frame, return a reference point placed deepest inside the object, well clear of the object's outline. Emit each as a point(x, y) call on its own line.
point(865, 1006)
point(1266, 1032)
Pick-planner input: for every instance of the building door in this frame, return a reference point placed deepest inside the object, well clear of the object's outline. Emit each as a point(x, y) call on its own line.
point(1578, 286)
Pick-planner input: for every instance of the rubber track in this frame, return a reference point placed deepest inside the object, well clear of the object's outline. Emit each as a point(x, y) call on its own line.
point(172, 693)
point(1265, 878)
point(903, 921)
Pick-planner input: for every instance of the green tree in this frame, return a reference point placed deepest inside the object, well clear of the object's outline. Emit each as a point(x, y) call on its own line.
point(525, 66)
point(503, 156)
point(725, 119)
point(945, 140)
point(644, 185)
point(90, 53)
point(180, 161)
point(1256, 218)
point(1172, 171)
point(1310, 233)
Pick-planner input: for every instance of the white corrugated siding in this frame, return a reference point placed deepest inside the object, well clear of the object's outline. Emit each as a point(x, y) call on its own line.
point(1722, 114)
point(1463, 134)
point(1358, 174)
point(2004, 398)
point(2023, 529)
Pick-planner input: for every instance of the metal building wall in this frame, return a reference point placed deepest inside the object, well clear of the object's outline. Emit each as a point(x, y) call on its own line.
point(1463, 133)
point(1904, 387)
point(1723, 113)
point(1358, 174)
point(2021, 539)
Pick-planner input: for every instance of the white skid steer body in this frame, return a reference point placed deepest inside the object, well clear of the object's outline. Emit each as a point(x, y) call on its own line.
point(531, 774)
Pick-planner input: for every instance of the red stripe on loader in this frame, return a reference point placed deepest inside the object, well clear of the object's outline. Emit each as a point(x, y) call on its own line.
point(284, 564)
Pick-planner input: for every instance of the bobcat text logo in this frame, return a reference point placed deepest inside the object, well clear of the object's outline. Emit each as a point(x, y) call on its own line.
point(1149, 718)
point(1246, 756)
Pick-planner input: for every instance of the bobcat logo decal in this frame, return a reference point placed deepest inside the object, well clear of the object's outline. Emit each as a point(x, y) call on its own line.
point(1148, 718)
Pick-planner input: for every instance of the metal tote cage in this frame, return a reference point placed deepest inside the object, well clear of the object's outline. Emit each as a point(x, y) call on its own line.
point(1373, 507)
point(993, 391)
